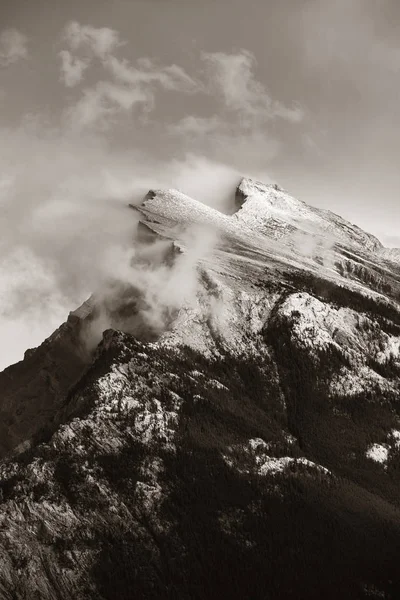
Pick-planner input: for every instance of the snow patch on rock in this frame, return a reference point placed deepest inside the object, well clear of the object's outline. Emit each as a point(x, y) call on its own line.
point(318, 325)
point(379, 453)
point(257, 459)
point(395, 435)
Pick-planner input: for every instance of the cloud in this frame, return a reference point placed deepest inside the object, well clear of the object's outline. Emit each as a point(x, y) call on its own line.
point(196, 175)
point(239, 132)
point(72, 68)
point(153, 287)
point(130, 86)
point(193, 125)
point(232, 77)
point(13, 46)
point(244, 147)
point(99, 41)
point(99, 105)
point(294, 114)
point(313, 245)
point(204, 179)
point(93, 42)
point(229, 77)
point(171, 77)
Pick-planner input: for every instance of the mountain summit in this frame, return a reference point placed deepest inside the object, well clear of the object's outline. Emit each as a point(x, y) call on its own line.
point(272, 211)
point(221, 420)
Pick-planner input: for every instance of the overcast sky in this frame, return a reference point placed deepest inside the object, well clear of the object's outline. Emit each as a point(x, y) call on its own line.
point(101, 100)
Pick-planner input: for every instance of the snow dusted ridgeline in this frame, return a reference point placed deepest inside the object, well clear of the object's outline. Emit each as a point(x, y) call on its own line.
point(271, 210)
point(282, 231)
point(171, 213)
point(236, 441)
point(260, 208)
point(171, 208)
point(175, 207)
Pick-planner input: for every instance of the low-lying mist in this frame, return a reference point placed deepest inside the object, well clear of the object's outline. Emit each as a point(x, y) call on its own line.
point(150, 283)
point(67, 231)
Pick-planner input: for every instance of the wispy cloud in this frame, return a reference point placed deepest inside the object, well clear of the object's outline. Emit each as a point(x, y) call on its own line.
point(125, 86)
point(72, 68)
point(232, 77)
point(244, 148)
point(128, 86)
point(100, 41)
point(193, 125)
point(171, 77)
point(239, 132)
point(99, 105)
point(13, 46)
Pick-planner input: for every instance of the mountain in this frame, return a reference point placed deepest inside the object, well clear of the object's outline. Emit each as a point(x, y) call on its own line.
point(222, 420)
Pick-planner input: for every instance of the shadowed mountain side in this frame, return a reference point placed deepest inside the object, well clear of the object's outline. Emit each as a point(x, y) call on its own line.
point(33, 390)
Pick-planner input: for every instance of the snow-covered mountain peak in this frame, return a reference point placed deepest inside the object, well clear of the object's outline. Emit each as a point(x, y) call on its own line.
point(270, 210)
point(175, 207)
point(265, 211)
point(271, 194)
point(170, 212)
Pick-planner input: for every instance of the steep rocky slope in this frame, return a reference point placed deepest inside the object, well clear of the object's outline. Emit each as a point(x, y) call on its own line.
point(235, 433)
point(34, 389)
point(269, 209)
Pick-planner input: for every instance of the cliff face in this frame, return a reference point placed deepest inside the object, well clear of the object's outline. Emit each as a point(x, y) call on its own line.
point(235, 433)
point(33, 390)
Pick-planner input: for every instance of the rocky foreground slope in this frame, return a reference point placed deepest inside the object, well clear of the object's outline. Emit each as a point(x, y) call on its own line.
point(222, 421)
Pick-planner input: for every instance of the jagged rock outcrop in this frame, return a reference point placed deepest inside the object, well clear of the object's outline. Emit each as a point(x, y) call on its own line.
point(33, 390)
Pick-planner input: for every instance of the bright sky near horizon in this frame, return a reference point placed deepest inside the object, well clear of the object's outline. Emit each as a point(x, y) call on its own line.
point(100, 101)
